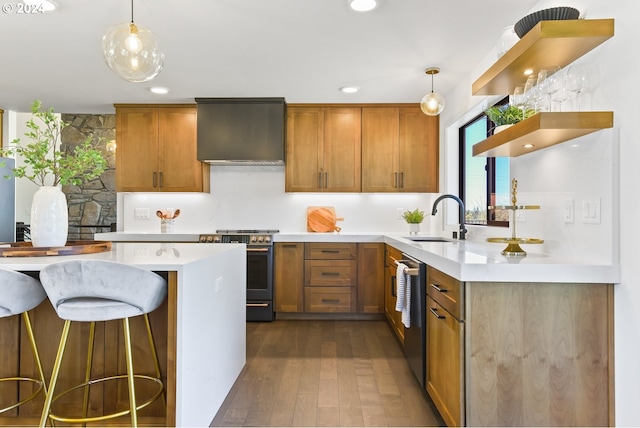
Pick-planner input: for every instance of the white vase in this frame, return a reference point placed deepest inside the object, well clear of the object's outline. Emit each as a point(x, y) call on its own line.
point(49, 217)
point(414, 228)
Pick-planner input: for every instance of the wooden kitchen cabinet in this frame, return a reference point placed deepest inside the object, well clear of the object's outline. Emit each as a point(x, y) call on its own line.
point(390, 292)
point(371, 278)
point(445, 347)
point(323, 149)
point(330, 277)
point(399, 150)
point(288, 277)
point(156, 149)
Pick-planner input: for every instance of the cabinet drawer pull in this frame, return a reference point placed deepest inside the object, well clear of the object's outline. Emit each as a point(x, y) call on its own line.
point(330, 251)
point(395, 180)
point(394, 293)
point(326, 180)
point(402, 180)
point(289, 245)
point(330, 300)
point(330, 274)
point(155, 179)
point(161, 179)
point(257, 305)
point(437, 287)
point(435, 313)
point(320, 180)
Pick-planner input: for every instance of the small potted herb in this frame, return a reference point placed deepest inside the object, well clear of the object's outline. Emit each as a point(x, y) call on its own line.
point(414, 218)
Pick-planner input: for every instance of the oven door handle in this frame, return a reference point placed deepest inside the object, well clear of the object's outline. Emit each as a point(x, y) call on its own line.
point(258, 250)
point(259, 305)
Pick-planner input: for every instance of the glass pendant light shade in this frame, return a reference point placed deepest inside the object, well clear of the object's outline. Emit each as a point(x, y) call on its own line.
point(432, 104)
point(132, 51)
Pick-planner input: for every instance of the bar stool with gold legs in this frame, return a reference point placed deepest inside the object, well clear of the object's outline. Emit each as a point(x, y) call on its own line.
point(20, 293)
point(96, 290)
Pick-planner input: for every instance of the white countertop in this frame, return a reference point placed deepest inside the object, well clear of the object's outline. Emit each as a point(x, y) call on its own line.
point(149, 255)
point(463, 260)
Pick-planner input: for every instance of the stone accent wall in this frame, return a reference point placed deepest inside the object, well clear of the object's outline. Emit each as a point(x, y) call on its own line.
point(93, 203)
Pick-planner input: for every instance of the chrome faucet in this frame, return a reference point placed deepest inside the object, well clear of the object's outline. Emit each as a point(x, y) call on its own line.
point(434, 210)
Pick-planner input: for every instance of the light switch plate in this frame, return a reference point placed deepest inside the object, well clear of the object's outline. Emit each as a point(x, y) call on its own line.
point(569, 212)
point(591, 211)
point(141, 213)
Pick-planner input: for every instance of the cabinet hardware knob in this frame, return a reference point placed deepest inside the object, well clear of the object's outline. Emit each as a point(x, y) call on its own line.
point(330, 251)
point(330, 274)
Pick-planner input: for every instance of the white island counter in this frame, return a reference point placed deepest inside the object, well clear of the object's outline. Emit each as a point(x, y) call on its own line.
point(206, 335)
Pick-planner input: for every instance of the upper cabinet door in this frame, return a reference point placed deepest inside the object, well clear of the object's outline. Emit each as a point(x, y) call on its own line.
point(380, 165)
point(418, 151)
point(305, 126)
point(156, 149)
point(342, 155)
point(180, 170)
point(137, 149)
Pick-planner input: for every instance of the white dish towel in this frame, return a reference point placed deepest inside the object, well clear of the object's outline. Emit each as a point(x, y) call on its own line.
point(403, 293)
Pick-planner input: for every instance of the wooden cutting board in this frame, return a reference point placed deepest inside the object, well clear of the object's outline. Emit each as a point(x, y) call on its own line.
point(322, 219)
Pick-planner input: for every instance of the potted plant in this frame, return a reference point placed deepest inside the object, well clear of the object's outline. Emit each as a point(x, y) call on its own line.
point(48, 167)
point(414, 218)
point(504, 116)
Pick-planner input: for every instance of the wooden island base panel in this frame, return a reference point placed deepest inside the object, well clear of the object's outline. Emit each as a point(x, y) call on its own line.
point(199, 331)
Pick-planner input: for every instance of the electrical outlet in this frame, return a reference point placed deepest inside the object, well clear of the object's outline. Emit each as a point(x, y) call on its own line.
point(569, 212)
point(399, 213)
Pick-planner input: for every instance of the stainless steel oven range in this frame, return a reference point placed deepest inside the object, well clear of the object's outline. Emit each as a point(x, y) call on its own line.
point(259, 268)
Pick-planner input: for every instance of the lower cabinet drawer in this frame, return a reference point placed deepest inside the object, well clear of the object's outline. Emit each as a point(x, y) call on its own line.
point(331, 273)
point(330, 299)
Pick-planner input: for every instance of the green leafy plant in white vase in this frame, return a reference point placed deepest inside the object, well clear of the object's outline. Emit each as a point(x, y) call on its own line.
point(414, 218)
point(48, 167)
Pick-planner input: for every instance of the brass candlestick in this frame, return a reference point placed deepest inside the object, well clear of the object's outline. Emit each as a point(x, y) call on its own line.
point(513, 244)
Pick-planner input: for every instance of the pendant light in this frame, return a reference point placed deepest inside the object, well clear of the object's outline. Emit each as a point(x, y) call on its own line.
point(132, 51)
point(432, 104)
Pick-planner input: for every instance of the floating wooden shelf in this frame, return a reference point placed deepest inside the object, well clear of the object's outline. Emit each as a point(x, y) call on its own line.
point(542, 130)
point(548, 43)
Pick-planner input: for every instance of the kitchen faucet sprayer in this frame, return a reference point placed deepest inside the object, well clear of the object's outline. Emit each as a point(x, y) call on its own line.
point(434, 210)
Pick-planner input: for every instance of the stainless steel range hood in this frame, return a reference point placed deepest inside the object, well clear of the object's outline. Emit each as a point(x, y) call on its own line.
point(241, 131)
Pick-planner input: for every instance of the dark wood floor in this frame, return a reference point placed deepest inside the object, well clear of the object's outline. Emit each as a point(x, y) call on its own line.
point(325, 373)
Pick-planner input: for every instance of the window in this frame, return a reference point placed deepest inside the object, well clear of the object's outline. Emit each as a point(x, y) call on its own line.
point(483, 179)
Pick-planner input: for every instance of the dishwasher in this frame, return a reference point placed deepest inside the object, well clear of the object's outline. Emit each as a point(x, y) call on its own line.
point(415, 335)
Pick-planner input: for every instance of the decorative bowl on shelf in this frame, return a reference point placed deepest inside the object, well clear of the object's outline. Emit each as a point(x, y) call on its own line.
point(523, 26)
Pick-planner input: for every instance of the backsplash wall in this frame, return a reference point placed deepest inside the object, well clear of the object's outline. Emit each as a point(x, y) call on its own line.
point(253, 197)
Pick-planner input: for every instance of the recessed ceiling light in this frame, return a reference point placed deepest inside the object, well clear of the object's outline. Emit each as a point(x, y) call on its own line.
point(362, 5)
point(528, 72)
point(528, 146)
point(159, 90)
point(349, 89)
point(41, 5)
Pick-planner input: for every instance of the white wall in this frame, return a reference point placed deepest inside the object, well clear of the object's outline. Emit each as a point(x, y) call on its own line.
point(604, 165)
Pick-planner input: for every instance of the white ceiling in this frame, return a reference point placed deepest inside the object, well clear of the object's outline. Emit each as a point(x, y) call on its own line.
point(303, 50)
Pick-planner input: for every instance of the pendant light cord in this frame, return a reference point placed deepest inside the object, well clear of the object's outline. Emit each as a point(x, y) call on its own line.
point(132, 17)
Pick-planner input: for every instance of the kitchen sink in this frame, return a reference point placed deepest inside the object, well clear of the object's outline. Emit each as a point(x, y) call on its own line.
point(427, 239)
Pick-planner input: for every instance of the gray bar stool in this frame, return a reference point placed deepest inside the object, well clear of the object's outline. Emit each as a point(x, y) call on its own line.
point(20, 293)
point(95, 290)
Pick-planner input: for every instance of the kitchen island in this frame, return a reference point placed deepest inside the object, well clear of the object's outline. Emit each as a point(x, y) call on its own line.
point(200, 330)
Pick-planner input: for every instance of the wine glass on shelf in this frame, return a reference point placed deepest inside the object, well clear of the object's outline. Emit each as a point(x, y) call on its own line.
point(531, 94)
point(518, 99)
point(548, 82)
point(581, 78)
